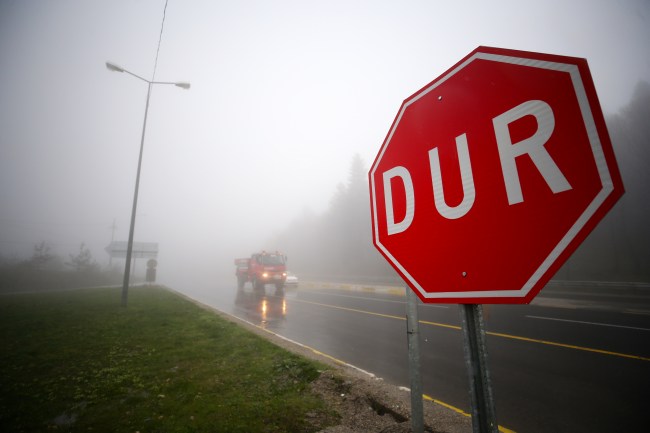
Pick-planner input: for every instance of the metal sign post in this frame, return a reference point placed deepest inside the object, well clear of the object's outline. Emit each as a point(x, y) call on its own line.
point(413, 337)
point(484, 419)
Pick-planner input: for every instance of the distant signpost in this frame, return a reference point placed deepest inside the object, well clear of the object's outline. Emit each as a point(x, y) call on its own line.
point(151, 271)
point(141, 250)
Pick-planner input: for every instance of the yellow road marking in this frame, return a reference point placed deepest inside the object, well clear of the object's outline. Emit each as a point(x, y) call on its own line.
point(354, 310)
point(448, 406)
point(460, 411)
point(440, 325)
point(494, 334)
point(568, 346)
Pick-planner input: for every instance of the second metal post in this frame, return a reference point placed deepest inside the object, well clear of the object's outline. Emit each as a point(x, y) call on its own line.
point(484, 418)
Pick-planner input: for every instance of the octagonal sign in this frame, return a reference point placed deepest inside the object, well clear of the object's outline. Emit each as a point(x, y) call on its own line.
point(491, 176)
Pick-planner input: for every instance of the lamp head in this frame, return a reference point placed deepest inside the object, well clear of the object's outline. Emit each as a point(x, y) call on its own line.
point(182, 85)
point(113, 67)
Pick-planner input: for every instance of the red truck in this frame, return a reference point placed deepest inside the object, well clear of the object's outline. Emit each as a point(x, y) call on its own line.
point(261, 269)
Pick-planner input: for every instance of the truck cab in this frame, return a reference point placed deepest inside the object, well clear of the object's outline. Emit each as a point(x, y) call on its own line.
point(261, 269)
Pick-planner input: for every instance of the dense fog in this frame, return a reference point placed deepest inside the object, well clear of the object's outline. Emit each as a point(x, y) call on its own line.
point(338, 241)
point(271, 145)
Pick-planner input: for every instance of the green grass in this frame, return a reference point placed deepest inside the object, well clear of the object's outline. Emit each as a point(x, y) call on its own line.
point(76, 361)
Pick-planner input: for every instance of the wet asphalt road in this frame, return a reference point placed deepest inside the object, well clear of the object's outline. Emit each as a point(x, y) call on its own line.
point(566, 363)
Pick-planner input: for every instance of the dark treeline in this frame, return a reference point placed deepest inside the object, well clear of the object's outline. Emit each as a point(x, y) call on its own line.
point(338, 243)
point(47, 271)
point(619, 248)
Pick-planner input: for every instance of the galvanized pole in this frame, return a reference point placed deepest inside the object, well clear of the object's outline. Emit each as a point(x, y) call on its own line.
point(129, 247)
point(484, 419)
point(413, 337)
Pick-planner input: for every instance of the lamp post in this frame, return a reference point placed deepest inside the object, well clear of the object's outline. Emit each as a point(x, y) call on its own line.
point(129, 249)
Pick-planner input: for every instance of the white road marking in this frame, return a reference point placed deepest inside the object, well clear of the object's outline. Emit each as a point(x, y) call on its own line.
point(588, 323)
point(374, 299)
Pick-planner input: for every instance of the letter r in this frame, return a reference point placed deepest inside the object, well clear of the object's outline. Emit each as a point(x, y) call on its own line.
point(533, 146)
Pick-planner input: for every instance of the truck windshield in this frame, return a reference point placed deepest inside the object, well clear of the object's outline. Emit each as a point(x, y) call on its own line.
point(271, 260)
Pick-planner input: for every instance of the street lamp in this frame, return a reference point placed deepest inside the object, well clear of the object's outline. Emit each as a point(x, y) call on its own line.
point(129, 249)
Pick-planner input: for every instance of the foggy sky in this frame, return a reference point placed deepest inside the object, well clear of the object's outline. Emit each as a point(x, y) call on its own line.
point(283, 94)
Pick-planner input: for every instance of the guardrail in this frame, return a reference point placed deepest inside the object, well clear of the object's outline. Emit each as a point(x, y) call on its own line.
point(598, 288)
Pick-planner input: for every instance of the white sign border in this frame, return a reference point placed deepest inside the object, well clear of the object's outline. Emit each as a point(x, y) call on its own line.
point(596, 147)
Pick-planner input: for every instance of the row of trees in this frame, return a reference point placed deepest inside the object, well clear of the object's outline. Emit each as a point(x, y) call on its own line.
point(619, 248)
point(45, 270)
point(338, 242)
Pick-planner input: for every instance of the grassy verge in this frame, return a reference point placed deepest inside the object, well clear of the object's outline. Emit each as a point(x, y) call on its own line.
point(76, 361)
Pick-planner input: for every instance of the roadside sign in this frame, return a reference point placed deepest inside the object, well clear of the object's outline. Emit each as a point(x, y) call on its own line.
point(140, 250)
point(491, 176)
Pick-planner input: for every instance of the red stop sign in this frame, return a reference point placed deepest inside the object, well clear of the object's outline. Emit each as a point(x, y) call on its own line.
point(491, 176)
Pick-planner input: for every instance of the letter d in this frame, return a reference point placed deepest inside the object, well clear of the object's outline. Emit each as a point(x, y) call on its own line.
point(403, 173)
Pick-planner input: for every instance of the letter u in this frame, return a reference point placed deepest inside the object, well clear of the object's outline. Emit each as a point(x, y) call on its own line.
point(469, 192)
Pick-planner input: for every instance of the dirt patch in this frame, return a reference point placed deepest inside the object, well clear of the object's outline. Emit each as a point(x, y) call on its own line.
point(367, 404)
